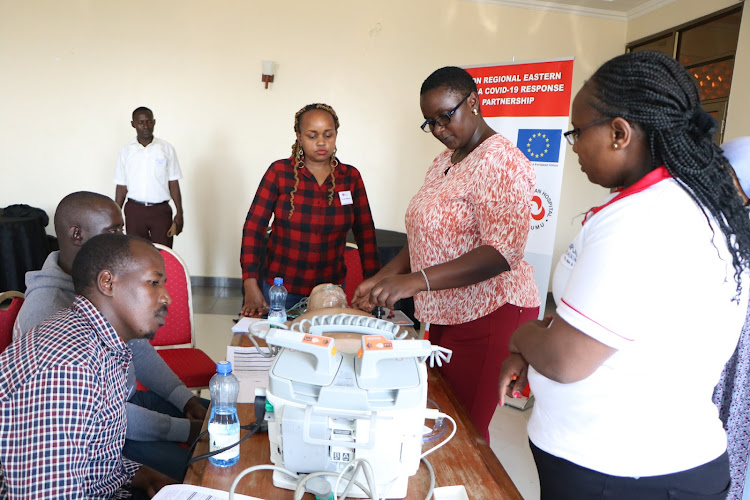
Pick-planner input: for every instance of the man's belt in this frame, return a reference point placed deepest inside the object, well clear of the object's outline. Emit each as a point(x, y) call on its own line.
point(148, 203)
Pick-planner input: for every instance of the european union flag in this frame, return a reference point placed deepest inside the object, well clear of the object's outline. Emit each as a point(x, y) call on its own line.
point(540, 145)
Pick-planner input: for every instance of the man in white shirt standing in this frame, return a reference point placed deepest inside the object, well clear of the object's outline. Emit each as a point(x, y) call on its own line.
point(148, 173)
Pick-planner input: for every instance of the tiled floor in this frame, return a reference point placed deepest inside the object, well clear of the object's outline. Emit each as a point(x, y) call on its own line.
point(215, 308)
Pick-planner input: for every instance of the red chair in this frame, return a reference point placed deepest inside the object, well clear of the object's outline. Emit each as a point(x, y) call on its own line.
point(354, 274)
point(8, 316)
point(175, 341)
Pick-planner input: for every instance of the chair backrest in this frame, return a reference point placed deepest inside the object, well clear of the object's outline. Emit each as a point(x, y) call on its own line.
point(178, 328)
point(8, 317)
point(354, 274)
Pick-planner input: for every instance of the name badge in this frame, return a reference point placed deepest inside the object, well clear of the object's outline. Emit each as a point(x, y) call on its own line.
point(345, 197)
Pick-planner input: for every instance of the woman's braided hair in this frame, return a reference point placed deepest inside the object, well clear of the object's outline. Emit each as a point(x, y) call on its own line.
point(298, 155)
point(653, 91)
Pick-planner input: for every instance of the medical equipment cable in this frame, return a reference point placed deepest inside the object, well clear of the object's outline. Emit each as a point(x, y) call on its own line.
point(272, 350)
point(431, 491)
point(293, 475)
point(257, 468)
point(438, 430)
point(441, 443)
point(369, 475)
point(254, 332)
point(299, 492)
point(302, 482)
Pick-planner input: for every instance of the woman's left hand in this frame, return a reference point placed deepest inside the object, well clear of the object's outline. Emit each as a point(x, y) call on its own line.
point(513, 377)
point(390, 290)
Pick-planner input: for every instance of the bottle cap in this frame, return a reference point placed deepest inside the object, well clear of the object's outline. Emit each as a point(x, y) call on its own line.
point(224, 367)
point(278, 281)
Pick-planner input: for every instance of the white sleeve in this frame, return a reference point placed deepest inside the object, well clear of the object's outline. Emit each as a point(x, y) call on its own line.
point(173, 166)
point(614, 285)
point(120, 178)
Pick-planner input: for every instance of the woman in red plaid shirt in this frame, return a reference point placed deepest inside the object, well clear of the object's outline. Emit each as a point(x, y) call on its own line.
point(315, 200)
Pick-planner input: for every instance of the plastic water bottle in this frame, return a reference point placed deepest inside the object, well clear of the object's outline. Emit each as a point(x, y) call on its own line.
point(223, 424)
point(277, 296)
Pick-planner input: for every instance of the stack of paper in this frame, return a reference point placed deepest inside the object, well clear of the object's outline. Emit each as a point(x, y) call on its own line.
point(251, 369)
point(190, 492)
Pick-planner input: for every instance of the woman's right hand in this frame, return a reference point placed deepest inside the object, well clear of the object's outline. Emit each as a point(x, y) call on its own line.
point(513, 377)
point(255, 304)
point(361, 298)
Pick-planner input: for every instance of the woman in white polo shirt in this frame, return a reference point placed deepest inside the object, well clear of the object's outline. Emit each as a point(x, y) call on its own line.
point(651, 297)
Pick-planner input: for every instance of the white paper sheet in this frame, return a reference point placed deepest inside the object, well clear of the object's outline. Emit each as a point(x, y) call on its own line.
point(190, 492)
point(243, 325)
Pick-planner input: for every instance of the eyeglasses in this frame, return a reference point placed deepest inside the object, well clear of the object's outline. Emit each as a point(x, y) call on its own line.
point(572, 136)
point(442, 120)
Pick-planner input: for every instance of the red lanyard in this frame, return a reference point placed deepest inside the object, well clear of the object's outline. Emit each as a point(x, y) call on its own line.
point(655, 176)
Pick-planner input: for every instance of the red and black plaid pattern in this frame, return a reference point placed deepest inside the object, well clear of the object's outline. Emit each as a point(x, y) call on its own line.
point(308, 248)
point(62, 409)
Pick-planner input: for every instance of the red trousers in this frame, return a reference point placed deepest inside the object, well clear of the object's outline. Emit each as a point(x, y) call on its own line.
point(479, 349)
point(152, 222)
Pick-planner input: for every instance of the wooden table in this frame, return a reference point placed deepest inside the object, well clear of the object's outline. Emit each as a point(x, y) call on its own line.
point(467, 459)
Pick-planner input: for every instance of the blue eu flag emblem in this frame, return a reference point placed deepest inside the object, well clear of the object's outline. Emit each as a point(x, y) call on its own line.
point(540, 145)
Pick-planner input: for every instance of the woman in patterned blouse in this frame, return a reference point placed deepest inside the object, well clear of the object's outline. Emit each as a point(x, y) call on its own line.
point(467, 229)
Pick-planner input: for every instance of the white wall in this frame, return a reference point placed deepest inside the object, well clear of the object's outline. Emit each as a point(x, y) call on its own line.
point(74, 70)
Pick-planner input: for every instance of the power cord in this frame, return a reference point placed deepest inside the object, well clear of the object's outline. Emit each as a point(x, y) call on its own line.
point(300, 490)
point(370, 490)
point(247, 471)
point(254, 427)
point(358, 464)
point(431, 491)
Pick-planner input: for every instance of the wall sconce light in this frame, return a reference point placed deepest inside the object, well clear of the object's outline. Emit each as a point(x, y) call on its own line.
point(267, 72)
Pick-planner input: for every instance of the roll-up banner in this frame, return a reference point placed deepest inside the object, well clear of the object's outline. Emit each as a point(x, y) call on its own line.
point(529, 102)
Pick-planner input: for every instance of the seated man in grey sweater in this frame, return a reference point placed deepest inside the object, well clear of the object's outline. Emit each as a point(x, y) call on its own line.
point(158, 419)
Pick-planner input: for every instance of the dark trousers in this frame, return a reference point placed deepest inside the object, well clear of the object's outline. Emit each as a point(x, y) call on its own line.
point(291, 298)
point(152, 222)
point(479, 349)
point(561, 479)
point(168, 457)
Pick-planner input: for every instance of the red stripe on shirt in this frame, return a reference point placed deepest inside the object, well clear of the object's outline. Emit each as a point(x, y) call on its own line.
point(593, 321)
point(645, 182)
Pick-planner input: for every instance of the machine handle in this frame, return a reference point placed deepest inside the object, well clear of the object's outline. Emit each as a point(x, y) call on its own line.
point(350, 323)
point(306, 437)
point(377, 348)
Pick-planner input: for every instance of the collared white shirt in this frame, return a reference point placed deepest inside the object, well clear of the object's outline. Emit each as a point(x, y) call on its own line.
point(649, 277)
point(146, 171)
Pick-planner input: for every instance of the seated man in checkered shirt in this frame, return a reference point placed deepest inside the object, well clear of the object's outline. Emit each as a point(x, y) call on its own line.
point(63, 385)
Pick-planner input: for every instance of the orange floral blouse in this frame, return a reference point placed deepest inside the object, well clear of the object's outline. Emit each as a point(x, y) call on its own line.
point(485, 199)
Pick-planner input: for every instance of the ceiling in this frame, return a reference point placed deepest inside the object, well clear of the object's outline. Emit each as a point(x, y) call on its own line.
point(623, 10)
